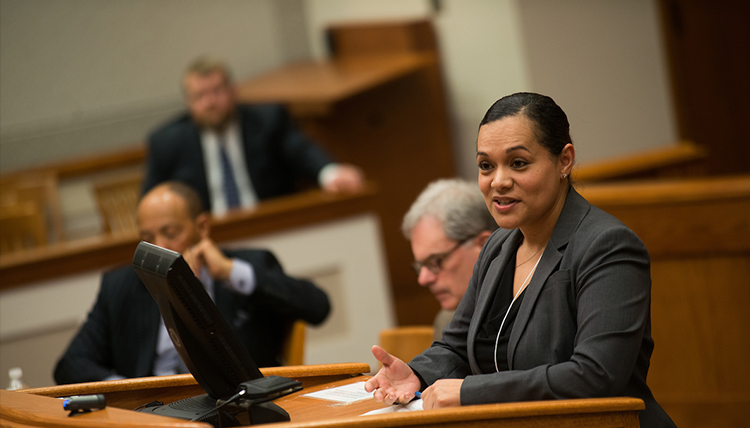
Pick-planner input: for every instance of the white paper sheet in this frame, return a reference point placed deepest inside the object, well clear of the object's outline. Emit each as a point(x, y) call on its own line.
point(343, 394)
point(408, 407)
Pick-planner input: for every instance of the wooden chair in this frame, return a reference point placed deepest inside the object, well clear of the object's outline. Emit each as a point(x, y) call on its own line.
point(406, 342)
point(41, 189)
point(22, 226)
point(117, 200)
point(293, 352)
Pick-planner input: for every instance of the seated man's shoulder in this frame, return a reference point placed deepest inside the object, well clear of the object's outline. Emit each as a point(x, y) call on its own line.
point(173, 129)
point(122, 279)
point(263, 115)
point(261, 109)
point(252, 255)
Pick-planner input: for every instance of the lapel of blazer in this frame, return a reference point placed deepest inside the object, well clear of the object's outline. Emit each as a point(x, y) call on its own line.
point(250, 142)
point(573, 211)
point(490, 282)
point(194, 150)
point(223, 299)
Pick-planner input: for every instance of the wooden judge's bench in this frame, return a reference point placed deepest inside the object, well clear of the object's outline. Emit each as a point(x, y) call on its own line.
point(38, 408)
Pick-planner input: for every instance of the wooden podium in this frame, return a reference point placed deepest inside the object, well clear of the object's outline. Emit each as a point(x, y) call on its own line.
point(38, 407)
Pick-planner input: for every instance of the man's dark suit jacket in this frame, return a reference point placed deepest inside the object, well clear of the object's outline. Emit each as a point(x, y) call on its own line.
point(121, 332)
point(277, 154)
point(583, 328)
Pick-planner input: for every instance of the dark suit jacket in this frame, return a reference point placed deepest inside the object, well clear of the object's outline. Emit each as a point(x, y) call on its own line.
point(120, 334)
point(277, 154)
point(583, 328)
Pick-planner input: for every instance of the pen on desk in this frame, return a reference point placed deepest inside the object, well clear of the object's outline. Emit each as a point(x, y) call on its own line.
point(418, 394)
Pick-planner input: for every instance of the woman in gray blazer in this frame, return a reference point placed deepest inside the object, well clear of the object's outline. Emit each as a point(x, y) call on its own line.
point(559, 302)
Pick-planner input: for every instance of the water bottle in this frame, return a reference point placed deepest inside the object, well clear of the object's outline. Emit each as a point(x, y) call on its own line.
point(15, 379)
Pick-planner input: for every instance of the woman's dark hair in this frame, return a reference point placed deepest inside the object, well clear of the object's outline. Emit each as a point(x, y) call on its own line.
point(551, 126)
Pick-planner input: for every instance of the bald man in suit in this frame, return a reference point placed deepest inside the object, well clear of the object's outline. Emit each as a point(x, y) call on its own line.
point(124, 335)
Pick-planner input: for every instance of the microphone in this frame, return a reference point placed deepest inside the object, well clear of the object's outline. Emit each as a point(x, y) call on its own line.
point(84, 403)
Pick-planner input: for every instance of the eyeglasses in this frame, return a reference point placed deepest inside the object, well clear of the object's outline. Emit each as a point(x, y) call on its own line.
point(434, 263)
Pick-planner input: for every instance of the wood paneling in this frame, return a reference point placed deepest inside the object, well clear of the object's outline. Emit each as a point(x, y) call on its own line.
point(707, 45)
point(697, 232)
point(679, 160)
point(66, 258)
point(378, 103)
point(87, 165)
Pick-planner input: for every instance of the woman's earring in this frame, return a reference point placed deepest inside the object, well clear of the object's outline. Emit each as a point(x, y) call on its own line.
point(564, 175)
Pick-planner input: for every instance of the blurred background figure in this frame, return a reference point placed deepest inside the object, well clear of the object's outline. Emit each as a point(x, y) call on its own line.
point(235, 155)
point(124, 335)
point(447, 225)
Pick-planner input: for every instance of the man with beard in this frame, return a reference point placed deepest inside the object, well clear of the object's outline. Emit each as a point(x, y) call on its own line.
point(235, 155)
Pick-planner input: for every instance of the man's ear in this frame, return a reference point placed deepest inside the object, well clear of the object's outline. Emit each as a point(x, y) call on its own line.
point(203, 224)
point(482, 237)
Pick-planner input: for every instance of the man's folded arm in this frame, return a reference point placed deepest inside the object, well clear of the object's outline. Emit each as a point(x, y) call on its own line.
point(289, 297)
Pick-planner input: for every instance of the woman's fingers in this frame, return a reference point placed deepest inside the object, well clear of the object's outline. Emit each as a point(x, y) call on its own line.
point(382, 355)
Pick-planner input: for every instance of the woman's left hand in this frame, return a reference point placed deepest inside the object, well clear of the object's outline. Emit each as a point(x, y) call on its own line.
point(443, 393)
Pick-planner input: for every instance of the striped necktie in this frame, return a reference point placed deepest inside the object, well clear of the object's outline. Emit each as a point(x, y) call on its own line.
point(231, 192)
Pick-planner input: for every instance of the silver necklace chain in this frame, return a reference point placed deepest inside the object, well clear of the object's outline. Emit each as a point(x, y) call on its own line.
point(532, 256)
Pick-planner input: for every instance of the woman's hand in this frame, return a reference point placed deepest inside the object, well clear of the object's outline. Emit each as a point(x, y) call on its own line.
point(443, 393)
point(395, 382)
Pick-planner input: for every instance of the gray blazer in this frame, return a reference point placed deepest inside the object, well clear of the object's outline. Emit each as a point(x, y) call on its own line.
point(583, 328)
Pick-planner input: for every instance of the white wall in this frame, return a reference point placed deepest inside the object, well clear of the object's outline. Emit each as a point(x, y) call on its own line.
point(86, 76)
point(483, 59)
point(81, 76)
point(603, 63)
point(600, 60)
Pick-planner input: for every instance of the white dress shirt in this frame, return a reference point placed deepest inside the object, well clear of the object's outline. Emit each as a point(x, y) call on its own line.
point(232, 139)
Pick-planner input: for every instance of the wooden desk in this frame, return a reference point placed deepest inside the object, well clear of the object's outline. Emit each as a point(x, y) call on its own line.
point(313, 88)
point(32, 408)
point(18, 410)
point(131, 393)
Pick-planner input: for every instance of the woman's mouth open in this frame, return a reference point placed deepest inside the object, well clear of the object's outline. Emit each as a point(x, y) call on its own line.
point(504, 204)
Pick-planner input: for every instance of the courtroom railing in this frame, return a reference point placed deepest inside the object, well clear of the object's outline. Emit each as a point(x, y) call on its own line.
point(677, 160)
point(273, 215)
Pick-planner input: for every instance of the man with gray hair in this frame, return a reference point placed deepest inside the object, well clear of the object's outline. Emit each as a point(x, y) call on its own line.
point(447, 225)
